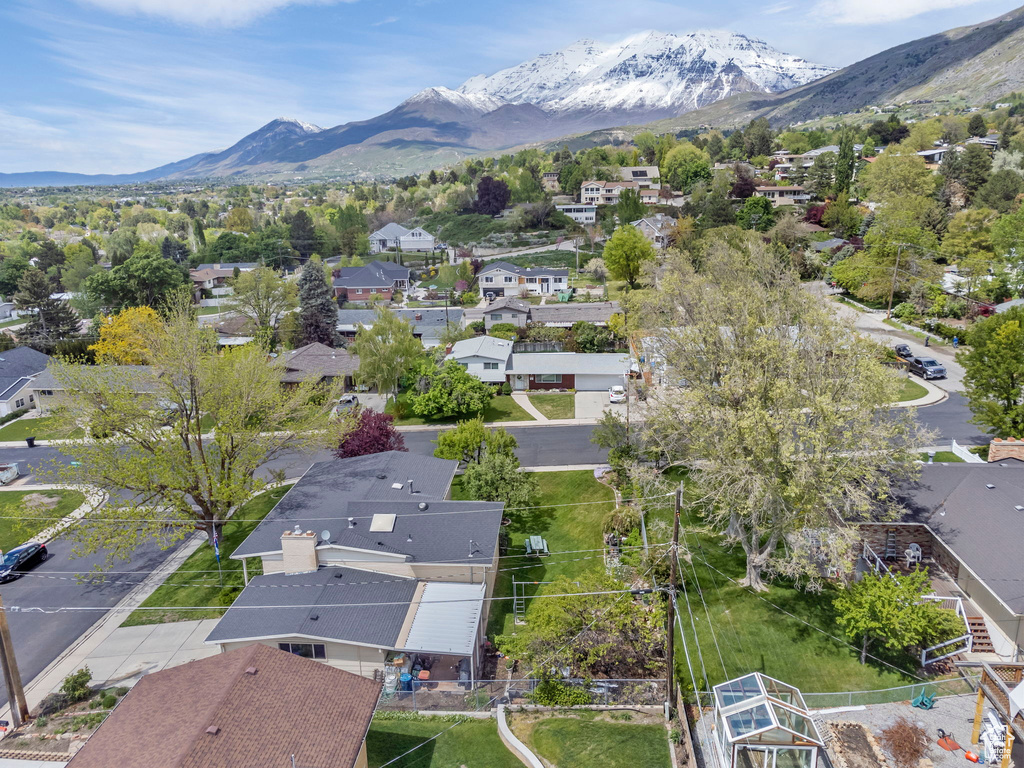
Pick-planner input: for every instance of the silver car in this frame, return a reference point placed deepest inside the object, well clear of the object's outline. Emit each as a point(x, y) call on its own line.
point(617, 394)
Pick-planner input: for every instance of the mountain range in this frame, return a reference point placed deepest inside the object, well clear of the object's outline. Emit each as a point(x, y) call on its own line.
point(660, 81)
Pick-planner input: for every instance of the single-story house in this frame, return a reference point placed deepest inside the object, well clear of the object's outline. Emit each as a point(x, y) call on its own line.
point(500, 278)
point(381, 528)
point(657, 228)
point(380, 279)
point(256, 707)
point(581, 213)
point(783, 195)
point(427, 323)
point(486, 357)
point(19, 368)
point(560, 315)
point(49, 392)
point(967, 519)
point(934, 156)
point(393, 237)
point(209, 278)
point(584, 372)
point(319, 361)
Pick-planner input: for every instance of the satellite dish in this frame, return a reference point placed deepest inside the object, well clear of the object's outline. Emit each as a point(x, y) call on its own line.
point(325, 535)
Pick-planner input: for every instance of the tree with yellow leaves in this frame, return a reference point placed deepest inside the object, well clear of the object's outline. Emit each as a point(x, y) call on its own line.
point(123, 336)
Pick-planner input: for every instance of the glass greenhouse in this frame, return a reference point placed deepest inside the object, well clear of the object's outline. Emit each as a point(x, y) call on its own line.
point(763, 723)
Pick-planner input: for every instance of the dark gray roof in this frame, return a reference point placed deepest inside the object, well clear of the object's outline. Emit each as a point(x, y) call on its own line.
point(430, 324)
point(229, 265)
point(139, 378)
point(321, 497)
point(827, 245)
point(524, 271)
point(980, 524)
point(359, 607)
point(376, 274)
point(16, 366)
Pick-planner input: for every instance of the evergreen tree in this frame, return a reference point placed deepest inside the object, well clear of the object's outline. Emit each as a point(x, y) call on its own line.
point(52, 320)
point(845, 164)
point(319, 313)
point(303, 234)
point(976, 126)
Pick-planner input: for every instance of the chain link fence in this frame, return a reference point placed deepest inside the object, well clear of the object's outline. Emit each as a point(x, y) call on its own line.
point(476, 695)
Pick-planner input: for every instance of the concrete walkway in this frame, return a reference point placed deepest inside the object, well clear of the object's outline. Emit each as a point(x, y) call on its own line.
point(523, 401)
point(128, 653)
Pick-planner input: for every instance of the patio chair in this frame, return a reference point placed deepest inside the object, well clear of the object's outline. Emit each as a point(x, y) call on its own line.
point(924, 700)
point(913, 554)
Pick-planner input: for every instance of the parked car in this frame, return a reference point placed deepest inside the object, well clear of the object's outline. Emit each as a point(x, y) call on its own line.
point(903, 350)
point(926, 368)
point(20, 559)
point(617, 394)
point(345, 403)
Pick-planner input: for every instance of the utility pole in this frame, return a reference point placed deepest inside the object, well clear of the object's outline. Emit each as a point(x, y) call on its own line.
point(12, 677)
point(892, 288)
point(673, 584)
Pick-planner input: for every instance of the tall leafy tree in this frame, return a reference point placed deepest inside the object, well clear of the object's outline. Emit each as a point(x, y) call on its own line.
point(845, 163)
point(492, 195)
point(144, 280)
point(778, 419)
point(685, 165)
point(150, 450)
point(630, 207)
point(263, 296)
point(626, 253)
point(976, 125)
point(757, 213)
point(452, 391)
point(470, 441)
point(319, 312)
point(11, 270)
point(387, 350)
point(994, 373)
point(124, 337)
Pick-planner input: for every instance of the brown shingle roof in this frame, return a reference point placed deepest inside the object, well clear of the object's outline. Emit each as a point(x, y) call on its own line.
point(318, 360)
point(290, 706)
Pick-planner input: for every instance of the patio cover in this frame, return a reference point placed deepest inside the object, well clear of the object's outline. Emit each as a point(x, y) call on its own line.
point(447, 618)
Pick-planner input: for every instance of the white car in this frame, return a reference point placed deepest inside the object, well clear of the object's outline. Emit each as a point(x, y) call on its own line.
point(617, 394)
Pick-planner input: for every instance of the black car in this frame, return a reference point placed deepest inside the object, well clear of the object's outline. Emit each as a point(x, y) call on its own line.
point(926, 367)
point(20, 559)
point(903, 350)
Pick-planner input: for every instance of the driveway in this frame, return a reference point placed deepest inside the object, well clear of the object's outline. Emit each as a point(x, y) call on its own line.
point(131, 652)
point(592, 405)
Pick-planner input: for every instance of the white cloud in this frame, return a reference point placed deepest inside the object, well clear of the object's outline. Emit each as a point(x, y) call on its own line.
point(881, 11)
point(382, 22)
point(777, 8)
point(224, 13)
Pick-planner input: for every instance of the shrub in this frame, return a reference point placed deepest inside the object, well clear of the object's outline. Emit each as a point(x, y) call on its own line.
point(906, 742)
point(555, 693)
point(504, 331)
point(621, 520)
point(506, 388)
point(108, 701)
point(76, 685)
point(42, 721)
point(478, 326)
point(904, 311)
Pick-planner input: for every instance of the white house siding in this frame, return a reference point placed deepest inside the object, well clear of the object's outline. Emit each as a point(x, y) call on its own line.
point(475, 366)
point(358, 659)
point(417, 240)
point(517, 318)
point(581, 214)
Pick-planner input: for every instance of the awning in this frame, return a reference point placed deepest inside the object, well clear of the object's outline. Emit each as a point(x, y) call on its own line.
point(447, 619)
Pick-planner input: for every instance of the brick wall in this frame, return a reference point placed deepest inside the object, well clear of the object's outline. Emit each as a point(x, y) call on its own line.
point(875, 535)
point(1005, 448)
point(568, 382)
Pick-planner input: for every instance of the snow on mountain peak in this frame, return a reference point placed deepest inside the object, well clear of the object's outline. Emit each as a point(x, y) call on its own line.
point(647, 71)
point(307, 127)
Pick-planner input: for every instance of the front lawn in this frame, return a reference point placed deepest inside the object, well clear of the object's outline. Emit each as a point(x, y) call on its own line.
point(41, 428)
point(196, 582)
point(499, 408)
point(557, 406)
point(53, 504)
point(470, 744)
point(912, 391)
point(752, 634)
point(585, 743)
point(570, 528)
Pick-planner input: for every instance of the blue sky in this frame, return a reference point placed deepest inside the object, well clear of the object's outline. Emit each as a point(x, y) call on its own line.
point(113, 86)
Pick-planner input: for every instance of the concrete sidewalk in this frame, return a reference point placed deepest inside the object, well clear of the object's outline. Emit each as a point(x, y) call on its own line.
point(935, 395)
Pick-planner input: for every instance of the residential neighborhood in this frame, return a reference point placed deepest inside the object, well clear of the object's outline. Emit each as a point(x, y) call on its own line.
point(656, 402)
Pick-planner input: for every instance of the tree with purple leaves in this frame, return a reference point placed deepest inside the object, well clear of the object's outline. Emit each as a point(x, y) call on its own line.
point(373, 433)
point(492, 195)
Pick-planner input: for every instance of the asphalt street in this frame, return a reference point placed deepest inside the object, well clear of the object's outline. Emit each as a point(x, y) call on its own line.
point(39, 633)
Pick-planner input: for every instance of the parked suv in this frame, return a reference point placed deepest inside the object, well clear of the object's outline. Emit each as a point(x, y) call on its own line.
point(903, 350)
point(926, 368)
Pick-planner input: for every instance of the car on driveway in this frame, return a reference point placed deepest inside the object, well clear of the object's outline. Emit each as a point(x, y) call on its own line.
point(926, 367)
point(903, 350)
point(347, 402)
point(18, 560)
point(617, 394)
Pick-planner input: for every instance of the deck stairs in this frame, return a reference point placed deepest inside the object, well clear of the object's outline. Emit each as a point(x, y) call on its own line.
point(982, 642)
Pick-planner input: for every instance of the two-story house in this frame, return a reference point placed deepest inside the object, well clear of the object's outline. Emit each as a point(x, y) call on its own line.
point(783, 195)
point(657, 228)
point(607, 192)
point(499, 278)
point(393, 237)
point(368, 567)
point(486, 357)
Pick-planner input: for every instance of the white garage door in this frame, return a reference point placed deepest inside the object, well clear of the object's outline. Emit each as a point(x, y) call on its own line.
point(592, 382)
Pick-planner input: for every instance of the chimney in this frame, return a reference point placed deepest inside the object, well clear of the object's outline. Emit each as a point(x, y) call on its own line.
point(298, 551)
point(418, 315)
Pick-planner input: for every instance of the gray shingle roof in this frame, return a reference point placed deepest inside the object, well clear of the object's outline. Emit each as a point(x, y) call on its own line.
point(376, 274)
point(569, 363)
point(359, 607)
point(16, 366)
point(980, 524)
point(430, 325)
point(320, 499)
point(524, 271)
point(567, 314)
point(317, 360)
point(139, 378)
point(490, 347)
point(390, 231)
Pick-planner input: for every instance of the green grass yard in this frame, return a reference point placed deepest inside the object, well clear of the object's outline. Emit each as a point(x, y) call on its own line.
point(471, 744)
point(196, 582)
point(55, 504)
point(560, 405)
point(587, 743)
point(755, 635)
point(943, 457)
point(500, 408)
point(912, 391)
point(570, 528)
point(42, 428)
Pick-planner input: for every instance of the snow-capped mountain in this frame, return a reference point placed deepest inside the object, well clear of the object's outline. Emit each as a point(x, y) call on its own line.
point(648, 72)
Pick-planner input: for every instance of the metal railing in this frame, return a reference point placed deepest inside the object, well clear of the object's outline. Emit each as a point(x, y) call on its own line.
point(872, 559)
point(476, 695)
